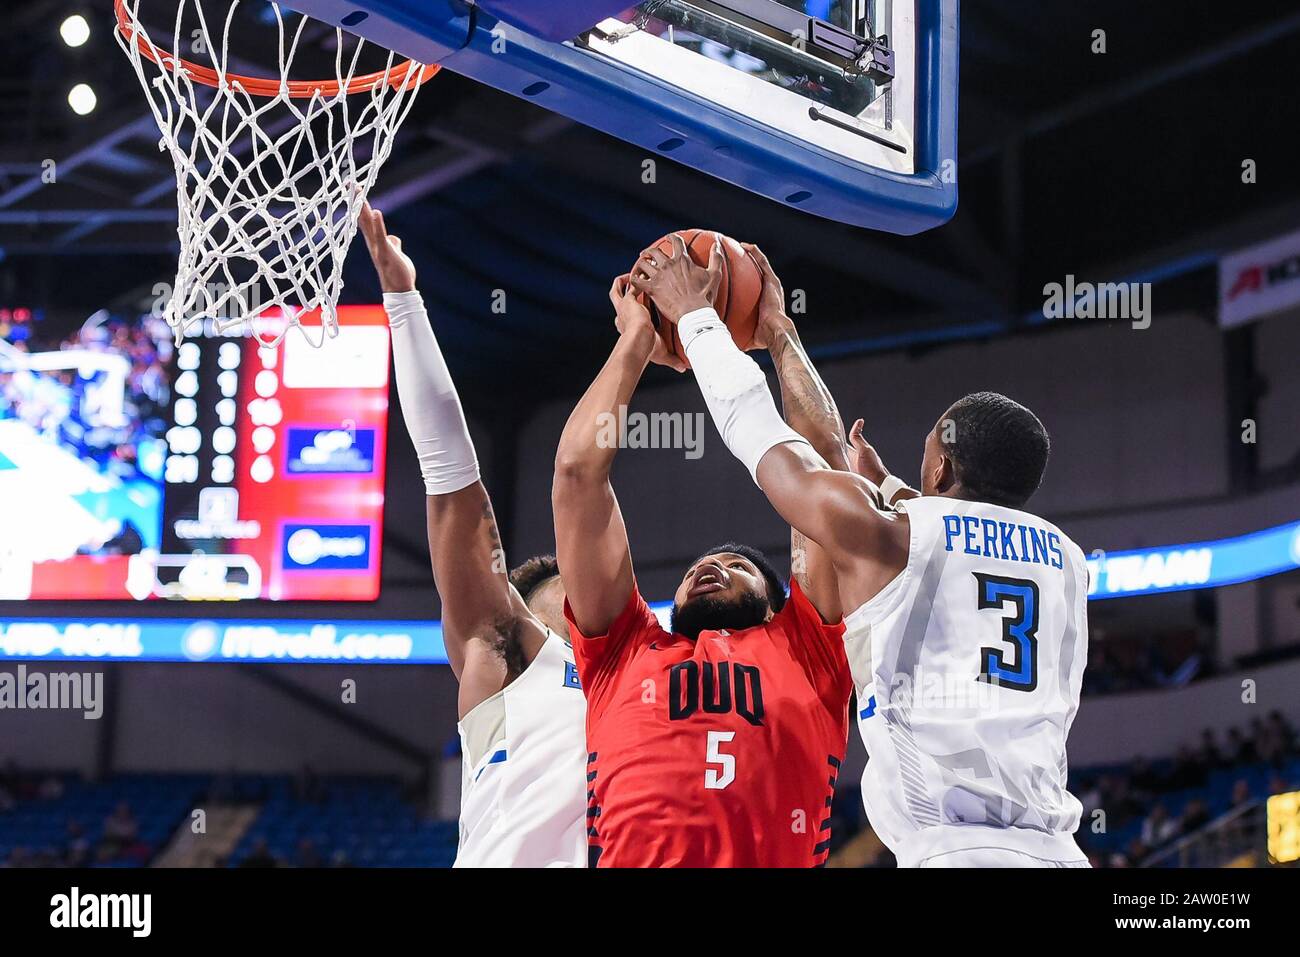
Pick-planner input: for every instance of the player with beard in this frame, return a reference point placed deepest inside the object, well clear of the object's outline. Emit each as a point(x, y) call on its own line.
point(717, 743)
point(521, 712)
point(966, 615)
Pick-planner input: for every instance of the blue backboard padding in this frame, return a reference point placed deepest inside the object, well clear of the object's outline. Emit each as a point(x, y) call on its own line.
point(648, 112)
point(551, 20)
point(427, 31)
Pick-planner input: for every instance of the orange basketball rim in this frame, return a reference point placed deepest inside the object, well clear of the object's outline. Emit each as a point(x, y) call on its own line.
point(395, 76)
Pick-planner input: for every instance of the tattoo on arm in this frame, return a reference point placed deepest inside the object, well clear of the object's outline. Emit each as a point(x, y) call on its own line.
point(808, 405)
point(811, 411)
point(496, 552)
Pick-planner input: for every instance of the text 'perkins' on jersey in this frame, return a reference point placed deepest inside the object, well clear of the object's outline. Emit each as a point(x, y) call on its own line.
point(1008, 541)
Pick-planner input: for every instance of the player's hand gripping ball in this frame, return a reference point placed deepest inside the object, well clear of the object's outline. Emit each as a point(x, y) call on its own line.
point(738, 293)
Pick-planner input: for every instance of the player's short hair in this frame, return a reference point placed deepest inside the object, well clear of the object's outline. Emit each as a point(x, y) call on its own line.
point(775, 583)
point(999, 448)
point(533, 574)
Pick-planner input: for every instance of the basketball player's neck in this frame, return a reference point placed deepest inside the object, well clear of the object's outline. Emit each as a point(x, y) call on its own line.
point(961, 494)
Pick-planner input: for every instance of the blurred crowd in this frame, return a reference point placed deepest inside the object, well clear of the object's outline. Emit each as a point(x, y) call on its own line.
point(112, 418)
point(69, 407)
point(1118, 663)
point(118, 838)
point(1145, 806)
point(306, 855)
point(304, 820)
point(1143, 790)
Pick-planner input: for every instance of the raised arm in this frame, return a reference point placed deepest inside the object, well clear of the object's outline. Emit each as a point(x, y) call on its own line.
point(834, 509)
point(488, 631)
point(810, 410)
point(866, 461)
point(590, 537)
point(807, 404)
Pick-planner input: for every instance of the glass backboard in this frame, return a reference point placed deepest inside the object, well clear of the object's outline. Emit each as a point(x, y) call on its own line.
point(834, 85)
point(843, 108)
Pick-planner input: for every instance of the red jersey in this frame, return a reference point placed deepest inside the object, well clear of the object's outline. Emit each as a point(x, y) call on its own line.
point(719, 752)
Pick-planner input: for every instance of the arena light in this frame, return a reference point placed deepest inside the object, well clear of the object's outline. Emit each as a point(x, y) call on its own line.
point(233, 639)
point(1284, 827)
point(1226, 561)
point(82, 99)
point(74, 30)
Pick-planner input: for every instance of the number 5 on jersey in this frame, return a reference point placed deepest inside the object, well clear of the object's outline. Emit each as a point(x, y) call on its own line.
point(715, 779)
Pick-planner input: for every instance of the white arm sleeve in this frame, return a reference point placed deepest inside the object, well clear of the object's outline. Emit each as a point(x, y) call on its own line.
point(430, 405)
point(735, 390)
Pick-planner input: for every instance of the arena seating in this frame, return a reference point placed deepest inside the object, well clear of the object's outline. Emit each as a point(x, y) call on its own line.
point(61, 819)
point(53, 820)
point(1149, 806)
point(346, 821)
point(1122, 843)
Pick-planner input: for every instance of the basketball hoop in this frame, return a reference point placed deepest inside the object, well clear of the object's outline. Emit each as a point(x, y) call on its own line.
point(270, 173)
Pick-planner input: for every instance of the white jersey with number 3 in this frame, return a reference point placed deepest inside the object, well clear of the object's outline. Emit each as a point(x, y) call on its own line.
point(967, 668)
point(523, 798)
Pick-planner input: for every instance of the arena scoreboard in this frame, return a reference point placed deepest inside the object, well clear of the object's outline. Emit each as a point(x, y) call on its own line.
point(245, 472)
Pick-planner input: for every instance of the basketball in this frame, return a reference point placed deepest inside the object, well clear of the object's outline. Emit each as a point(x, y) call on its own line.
point(738, 293)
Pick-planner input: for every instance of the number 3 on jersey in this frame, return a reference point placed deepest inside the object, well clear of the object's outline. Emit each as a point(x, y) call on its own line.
point(715, 779)
point(1019, 631)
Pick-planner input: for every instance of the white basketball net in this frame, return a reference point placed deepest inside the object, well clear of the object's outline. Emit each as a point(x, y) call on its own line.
point(268, 187)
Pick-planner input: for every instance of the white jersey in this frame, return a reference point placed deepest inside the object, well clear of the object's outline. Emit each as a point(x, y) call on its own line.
point(523, 799)
point(967, 668)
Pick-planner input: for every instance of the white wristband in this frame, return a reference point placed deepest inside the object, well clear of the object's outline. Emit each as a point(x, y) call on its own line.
point(890, 487)
point(691, 325)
